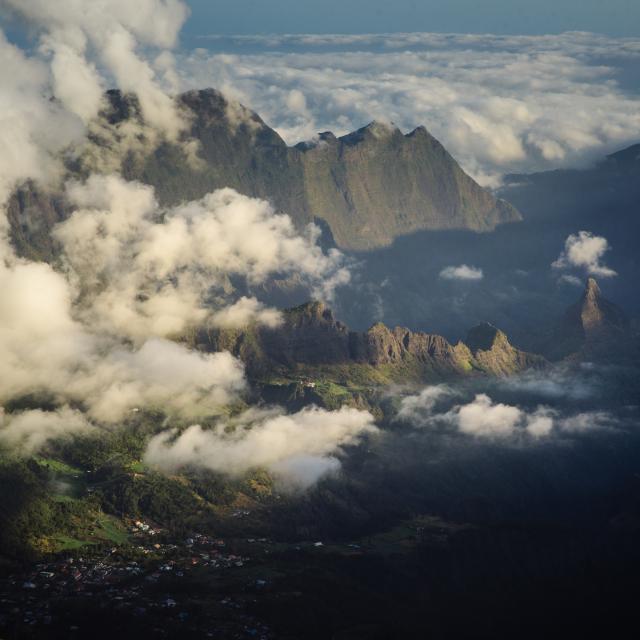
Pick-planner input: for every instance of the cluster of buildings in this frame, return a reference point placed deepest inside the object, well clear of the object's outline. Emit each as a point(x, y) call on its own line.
point(146, 588)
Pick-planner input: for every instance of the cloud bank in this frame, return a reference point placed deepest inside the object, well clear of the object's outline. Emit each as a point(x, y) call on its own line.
point(500, 104)
point(299, 449)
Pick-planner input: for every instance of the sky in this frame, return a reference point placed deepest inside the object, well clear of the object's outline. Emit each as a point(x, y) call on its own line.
point(610, 17)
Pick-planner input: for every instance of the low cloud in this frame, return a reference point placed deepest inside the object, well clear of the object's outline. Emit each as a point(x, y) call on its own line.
point(584, 250)
point(299, 449)
point(483, 417)
point(96, 334)
point(461, 272)
point(415, 408)
point(141, 271)
point(29, 431)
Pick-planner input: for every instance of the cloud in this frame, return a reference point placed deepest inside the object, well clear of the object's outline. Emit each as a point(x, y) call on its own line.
point(570, 280)
point(416, 408)
point(52, 95)
point(143, 272)
point(44, 349)
point(586, 421)
point(500, 104)
point(29, 431)
point(298, 448)
point(96, 333)
point(76, 32)
point(461, 272)
point(33, 128)
point(483, 417)
point(554, 384)
point(584, 250)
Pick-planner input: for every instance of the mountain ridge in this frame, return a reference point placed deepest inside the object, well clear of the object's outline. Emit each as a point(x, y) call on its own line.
point(311, 341)
point(370, 186)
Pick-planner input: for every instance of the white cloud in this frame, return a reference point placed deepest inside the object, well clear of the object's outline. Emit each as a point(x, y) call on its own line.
point(461, 272)
point(541, 422)
point(76, 32)
point(483, 417)
point(298, 448)
point(143, 272)
point(29, 431)
point(584, 250)
point(416, 408)
point(500, 104)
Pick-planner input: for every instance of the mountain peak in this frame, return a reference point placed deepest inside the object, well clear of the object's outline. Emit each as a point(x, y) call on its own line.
point(482, 337)
point(595, 315)
point(593, 324)
point(376, 130)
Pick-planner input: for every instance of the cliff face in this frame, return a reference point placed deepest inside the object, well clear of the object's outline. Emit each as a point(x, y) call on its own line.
point(376, 184)
point(492, 351)
point(311, 337)
point(369, 187)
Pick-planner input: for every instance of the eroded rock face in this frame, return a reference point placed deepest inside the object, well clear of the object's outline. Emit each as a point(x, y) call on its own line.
point(310, 335)
point(368, 187)
point(493, 352)
point(376, 184)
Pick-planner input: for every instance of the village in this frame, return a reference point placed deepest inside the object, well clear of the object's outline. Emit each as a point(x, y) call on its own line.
point(146, 588)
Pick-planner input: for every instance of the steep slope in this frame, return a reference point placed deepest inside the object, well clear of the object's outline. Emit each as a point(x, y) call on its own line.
point(376, 184)
point(494, 354)
point(369, 187)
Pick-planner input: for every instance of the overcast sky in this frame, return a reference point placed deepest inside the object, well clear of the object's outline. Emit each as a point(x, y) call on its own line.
point(612, 17)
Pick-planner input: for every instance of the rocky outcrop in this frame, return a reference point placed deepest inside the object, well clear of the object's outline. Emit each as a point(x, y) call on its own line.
point(494, 354)
point(367, 188)
point(311, 337)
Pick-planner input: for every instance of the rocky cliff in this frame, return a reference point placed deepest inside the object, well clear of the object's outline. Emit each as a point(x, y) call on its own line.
point(311, 339)
point(494, 354)
point(369, 187)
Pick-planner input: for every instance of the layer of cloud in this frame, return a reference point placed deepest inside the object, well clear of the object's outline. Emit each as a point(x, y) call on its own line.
point(584, 250)
point(499, 104)
point(461, 272)
point(299, 449)
point(483, 417)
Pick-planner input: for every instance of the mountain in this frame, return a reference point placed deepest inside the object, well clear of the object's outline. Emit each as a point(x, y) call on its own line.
point(376, 184)
point(312, 344)
point(592, 327)
point(492, 351)
point(366, 188)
